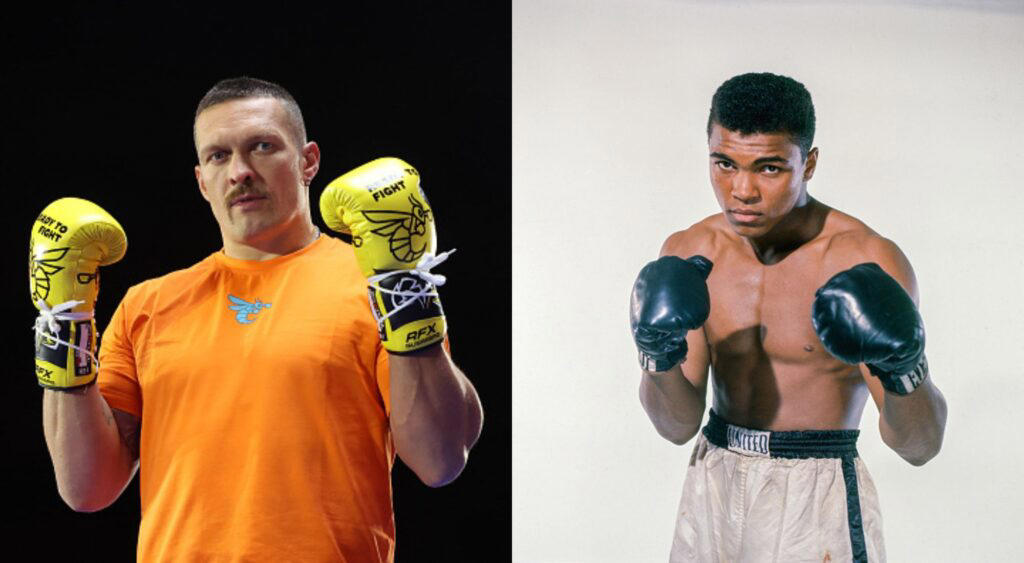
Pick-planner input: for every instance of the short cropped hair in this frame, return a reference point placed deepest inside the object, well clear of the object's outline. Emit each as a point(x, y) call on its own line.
point(765, 103)
point(246, 87)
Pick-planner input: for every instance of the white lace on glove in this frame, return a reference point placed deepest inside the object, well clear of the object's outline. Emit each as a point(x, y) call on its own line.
point(48, 323)
point(402, 298)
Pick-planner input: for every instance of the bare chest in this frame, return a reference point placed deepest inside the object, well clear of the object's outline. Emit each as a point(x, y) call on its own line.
point(765, 311)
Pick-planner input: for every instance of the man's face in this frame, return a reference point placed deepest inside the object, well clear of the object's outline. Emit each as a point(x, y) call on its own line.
point(252, 171)
point(758, 179)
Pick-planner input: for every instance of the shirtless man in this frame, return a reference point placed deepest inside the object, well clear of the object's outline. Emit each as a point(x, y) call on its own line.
point(755, 490)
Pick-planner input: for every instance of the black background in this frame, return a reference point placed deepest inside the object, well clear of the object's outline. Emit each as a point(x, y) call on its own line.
point(99, 104)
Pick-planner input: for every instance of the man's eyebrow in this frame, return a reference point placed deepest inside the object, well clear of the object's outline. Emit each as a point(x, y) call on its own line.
point(767, 159)
point(252, 137)
point(208, 147)
point(762, 160)
point(264, 133)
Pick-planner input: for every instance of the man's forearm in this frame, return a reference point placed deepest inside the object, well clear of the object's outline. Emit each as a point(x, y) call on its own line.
point(91, 463)
point(435, 414)
point(673, 404)
point(913, 425)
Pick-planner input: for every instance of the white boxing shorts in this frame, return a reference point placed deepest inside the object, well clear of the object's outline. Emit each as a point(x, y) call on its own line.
point(753, 495)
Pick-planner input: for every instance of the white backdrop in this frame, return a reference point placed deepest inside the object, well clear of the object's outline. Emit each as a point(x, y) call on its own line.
point(920, 123)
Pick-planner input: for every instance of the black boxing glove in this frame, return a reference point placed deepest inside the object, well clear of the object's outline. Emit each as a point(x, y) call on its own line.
point(862, 315)
point(670, 297)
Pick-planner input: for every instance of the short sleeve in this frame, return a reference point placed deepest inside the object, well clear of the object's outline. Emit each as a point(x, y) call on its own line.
point(383, 374)
point(118, 379)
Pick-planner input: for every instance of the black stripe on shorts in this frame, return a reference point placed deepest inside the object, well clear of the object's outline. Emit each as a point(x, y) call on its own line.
point(853, 518)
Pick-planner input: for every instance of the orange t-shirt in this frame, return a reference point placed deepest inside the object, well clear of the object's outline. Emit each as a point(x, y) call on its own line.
point(263, 393)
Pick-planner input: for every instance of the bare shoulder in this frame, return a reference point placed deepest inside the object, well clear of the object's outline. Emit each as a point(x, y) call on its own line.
point(850, 242)
point(704, 238)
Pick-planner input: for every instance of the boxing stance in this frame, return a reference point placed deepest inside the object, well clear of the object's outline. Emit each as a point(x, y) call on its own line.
point(260, 394)
point(800, 311)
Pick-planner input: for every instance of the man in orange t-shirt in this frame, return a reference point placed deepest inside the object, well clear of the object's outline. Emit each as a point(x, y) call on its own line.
point(259, 393)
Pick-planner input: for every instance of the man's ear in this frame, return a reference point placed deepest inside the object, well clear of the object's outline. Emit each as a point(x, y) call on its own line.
point(811, 164)
point(310, 162)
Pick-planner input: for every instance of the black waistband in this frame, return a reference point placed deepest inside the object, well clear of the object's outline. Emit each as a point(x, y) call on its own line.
point(788, 444)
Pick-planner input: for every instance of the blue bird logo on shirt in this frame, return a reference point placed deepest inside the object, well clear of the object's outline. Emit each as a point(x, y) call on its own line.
point(245, 309)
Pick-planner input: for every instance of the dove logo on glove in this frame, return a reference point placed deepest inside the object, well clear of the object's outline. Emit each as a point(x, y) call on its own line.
point(408, 285)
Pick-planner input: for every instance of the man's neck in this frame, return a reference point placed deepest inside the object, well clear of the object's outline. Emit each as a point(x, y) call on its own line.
point(802, 224)
point(272, 247)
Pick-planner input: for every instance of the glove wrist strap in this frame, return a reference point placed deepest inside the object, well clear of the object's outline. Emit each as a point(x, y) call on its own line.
point(48, 325)
point(407, 298)
point(904, 384)
point(658, 363)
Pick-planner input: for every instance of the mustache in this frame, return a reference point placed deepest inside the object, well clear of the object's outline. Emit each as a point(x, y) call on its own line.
point(243, 192)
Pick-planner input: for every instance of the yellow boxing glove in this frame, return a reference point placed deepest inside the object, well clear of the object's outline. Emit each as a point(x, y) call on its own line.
point(383, 207)
point(70, 239)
